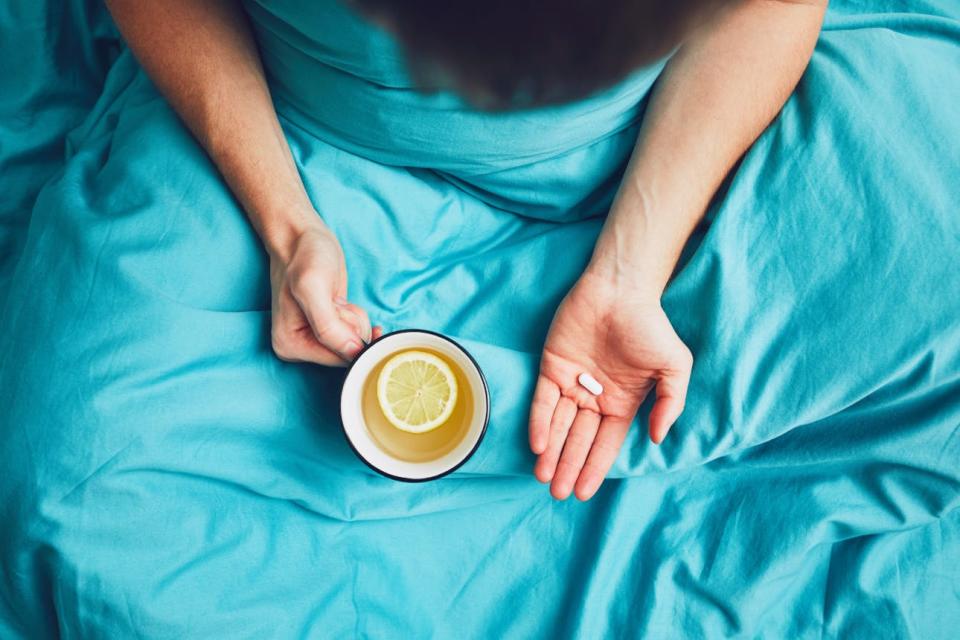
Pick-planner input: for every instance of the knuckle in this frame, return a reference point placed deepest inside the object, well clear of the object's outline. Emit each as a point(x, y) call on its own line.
point(578, 441)
point(558, 427)
point(280, 343)
point(542, 402)
point(593, 473)
point(591, 411)
point(607, 449)
point(566, 467)
point(361, 313)
point(324, 331)
point(554, 447)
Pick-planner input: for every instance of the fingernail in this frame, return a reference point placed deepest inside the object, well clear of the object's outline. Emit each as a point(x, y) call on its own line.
point(340, 300)
point(351, 349)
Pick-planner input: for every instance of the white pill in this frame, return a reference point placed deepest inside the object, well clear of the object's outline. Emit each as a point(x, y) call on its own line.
point(590, 383)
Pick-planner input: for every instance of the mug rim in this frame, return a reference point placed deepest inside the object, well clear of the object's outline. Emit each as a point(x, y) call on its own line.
point(483, 428)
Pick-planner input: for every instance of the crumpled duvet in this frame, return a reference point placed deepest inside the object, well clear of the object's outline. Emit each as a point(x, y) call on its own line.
point(164, 475)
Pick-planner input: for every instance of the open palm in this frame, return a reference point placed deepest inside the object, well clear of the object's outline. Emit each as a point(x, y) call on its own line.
point(627, 343)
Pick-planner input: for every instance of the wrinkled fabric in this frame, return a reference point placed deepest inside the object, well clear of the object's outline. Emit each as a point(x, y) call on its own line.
point(164, 475)
point(51, 76)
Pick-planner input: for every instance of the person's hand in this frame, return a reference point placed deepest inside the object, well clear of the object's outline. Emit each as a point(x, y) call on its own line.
point(625, 341)
point(312, 320)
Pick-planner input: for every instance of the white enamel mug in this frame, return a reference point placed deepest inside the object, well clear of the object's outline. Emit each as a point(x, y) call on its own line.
point(365, 443)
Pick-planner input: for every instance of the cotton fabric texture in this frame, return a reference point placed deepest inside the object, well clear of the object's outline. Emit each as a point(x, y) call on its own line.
point(165, 476)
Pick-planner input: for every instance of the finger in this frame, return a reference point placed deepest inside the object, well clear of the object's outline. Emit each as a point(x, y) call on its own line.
point(293, 345)
point(563, 415)
point(292, 338)
point(307, 349)
point(329, 328)
point(376, 332)
point(575, 450)
point(671, 398)
point(603, 453)
point(545, 397)
point(357, 318)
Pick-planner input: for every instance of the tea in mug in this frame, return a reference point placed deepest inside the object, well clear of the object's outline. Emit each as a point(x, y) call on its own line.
point(417, 447)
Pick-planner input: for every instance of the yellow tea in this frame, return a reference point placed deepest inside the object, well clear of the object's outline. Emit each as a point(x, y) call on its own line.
point(418, 447)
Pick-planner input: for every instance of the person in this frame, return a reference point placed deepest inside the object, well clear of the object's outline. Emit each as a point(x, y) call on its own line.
point(732, 66)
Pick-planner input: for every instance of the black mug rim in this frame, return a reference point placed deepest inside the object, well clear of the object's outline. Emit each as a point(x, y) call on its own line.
point(483, 429)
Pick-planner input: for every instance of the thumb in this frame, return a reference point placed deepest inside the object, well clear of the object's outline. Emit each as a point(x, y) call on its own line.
point(328, 326)
point(356, 317)
point(671, 398)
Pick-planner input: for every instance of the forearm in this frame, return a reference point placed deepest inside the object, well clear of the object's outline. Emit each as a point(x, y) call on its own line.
point(718, 93)
point(202, 56)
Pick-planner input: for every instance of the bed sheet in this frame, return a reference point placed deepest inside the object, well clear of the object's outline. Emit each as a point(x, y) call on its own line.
point(165, 476)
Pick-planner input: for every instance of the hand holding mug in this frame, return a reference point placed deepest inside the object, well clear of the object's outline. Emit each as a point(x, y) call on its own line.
point(312, 319)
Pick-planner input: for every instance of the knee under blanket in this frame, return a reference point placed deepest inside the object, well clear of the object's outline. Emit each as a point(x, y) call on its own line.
point(165, 476)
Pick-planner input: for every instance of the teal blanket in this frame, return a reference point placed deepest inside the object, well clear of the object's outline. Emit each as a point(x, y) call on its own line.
point(165, 476)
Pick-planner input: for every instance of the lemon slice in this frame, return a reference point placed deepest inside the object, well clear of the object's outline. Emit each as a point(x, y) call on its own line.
point(417, 391)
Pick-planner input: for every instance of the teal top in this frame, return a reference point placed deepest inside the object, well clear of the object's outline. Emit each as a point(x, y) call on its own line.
point(343, 79)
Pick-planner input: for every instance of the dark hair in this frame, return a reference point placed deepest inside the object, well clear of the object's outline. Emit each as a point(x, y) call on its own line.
point(514, 53)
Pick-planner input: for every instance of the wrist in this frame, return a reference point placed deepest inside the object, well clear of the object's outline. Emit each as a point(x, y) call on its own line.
point(280, 231)
point(625, 280)
point(628, 259)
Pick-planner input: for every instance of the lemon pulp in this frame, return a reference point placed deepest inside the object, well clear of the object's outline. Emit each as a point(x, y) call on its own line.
point(417, 391)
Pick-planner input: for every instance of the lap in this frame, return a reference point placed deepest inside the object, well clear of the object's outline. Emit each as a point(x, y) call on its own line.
point(141, 266)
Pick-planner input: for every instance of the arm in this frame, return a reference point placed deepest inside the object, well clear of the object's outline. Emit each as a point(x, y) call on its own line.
point(202, 57)
point(722, 88)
